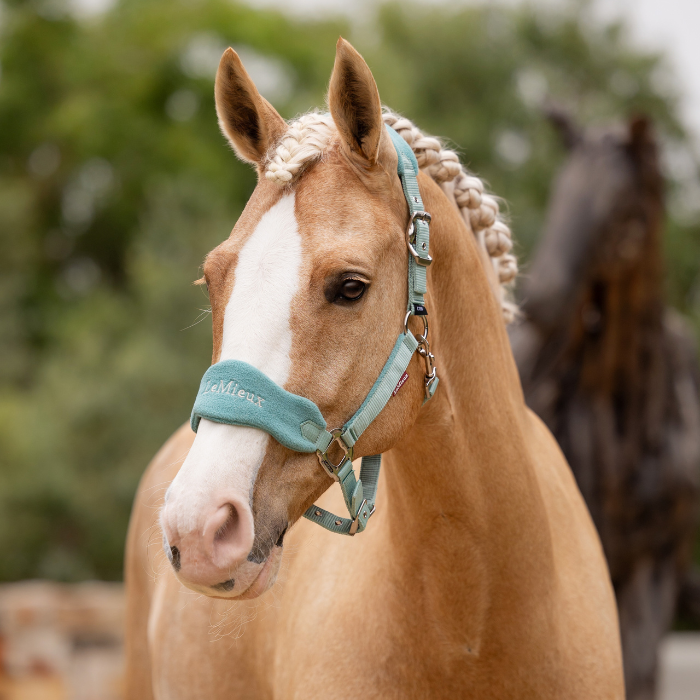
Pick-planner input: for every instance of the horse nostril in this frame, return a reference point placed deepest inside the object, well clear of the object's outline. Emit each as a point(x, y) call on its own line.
point(280, 539)
point(209, 550)
point(226, 585)
point(175, 560)
point(228, 528)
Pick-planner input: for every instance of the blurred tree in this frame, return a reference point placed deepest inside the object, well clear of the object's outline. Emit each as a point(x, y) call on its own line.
point(114, 183)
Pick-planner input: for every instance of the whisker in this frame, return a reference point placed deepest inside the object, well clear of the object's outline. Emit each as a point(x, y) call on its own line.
point(199, 319)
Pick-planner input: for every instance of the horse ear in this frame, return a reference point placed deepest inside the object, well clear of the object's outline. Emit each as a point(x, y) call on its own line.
point(564, 124)
point(643, 150)
point(246, 118)
point(640, 135)
point(354, 103)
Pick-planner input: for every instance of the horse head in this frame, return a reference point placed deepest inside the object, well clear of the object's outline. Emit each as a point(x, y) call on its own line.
point(604, 215)
point(309, 289)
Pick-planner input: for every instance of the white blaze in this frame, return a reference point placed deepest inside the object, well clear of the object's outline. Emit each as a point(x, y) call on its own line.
point(256, 323)
point(257, 330)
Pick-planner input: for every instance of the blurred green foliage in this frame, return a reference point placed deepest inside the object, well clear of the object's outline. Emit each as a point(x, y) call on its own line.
point(115, 182)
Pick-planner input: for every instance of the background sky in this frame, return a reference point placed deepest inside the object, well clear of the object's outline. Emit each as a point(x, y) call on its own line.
point(672, 26)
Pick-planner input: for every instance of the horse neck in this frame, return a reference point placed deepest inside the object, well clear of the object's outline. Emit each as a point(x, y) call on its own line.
point(462, 476)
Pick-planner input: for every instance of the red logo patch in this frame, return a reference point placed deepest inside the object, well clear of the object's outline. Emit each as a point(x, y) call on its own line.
point(402, 381)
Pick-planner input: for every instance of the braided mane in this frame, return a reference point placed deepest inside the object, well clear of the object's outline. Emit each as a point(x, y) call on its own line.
point(310, 135)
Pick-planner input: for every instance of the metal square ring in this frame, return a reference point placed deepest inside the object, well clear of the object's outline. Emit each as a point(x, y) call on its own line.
point(330, 468)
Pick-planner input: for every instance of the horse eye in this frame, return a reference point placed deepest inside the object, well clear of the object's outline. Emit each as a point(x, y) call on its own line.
point(352, 290)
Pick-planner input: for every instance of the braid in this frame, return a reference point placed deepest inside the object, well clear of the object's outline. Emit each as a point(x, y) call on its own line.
point(480, 209)
point(309, 136)
point(305, 141)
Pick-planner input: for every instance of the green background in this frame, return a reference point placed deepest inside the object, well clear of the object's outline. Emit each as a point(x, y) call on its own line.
point(115, 182)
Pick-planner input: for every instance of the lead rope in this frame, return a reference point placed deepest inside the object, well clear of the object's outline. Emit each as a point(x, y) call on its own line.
point(359, 494)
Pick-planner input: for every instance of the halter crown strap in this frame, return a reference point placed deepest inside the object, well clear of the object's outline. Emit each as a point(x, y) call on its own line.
point(237, 393)
point(418, 233)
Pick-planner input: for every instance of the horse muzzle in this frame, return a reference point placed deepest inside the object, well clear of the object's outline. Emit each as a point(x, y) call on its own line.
point(213, 557)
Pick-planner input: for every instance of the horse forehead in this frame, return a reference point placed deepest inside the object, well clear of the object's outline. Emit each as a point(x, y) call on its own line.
point(333, 198)
point(223, 258)
point(596, 170)
point(330, 203)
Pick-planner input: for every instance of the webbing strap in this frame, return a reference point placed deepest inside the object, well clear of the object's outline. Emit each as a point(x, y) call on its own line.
point(419, 237)
point(359, 498)
point(383, 388)
point(360, 494)
point(372, 406)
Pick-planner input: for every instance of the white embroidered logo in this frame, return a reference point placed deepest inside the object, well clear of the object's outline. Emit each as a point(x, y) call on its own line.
point(232, 390)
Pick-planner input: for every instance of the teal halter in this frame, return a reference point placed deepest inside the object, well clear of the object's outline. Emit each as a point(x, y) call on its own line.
point(237, 393)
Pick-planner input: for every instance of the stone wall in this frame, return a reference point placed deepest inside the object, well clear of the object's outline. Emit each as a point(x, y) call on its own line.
point(61, 642)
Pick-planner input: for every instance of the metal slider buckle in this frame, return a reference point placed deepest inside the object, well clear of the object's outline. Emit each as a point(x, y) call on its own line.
point(411, 237)
point(425, 325)
point(328, 466)
point(356, 522)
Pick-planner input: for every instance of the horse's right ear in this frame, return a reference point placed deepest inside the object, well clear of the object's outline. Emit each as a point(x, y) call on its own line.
point(641, 135)
point(564, 124)
point(247, 119)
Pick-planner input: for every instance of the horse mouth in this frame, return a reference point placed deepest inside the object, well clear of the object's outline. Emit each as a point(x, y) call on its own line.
point(264, 580)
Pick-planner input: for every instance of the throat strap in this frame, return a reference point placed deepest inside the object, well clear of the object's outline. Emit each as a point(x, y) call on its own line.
point(363, 492)
point(359, 498)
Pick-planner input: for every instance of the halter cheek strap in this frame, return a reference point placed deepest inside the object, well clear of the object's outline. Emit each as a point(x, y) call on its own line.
point(237, 393)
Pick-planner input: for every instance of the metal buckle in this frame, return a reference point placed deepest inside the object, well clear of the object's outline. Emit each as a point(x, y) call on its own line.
point(429, 383)
point(328, 466)
point(423, 350)
point(419, 338)
point(411, 236)
point(356, 522)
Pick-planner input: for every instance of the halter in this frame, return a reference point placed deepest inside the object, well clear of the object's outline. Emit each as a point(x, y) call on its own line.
point(237, 393)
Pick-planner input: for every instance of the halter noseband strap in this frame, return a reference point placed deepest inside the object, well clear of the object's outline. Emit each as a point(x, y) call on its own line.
point(237, 393)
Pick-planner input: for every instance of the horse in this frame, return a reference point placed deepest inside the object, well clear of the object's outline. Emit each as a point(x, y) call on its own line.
point(613, 373)
point(480, 573)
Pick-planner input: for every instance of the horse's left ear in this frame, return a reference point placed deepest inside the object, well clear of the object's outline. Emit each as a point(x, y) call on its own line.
point(561, 119)
point(354, 103)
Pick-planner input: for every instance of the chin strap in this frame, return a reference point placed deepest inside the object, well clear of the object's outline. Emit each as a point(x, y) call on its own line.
point(359, 494)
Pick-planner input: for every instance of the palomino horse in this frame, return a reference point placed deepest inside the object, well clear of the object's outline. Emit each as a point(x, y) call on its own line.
point(480, 574)
point(613, 373)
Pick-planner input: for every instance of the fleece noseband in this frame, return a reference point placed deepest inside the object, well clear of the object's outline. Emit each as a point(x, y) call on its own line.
point(237, 393)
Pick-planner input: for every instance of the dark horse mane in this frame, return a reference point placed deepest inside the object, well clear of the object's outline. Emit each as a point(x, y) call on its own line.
point(613, 372)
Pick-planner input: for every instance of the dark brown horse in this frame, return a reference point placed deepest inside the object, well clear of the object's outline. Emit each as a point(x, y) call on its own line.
point(613, 372)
